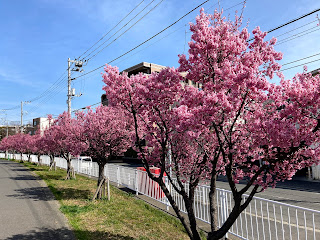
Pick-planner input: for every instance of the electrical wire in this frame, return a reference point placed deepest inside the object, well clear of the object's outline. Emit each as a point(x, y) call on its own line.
point(57, 82)
point(118, 30)
point(125, 30)
point(145, 40)
point(76, 110)
point(41, 95)
point(301, 59)
point(149, 46)
point(292, 38)
point(291, 21)
point(301, 64)
point(111, 29)
point(296, 28)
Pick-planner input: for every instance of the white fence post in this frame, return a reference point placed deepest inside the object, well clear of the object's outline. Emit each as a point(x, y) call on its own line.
point(223, 199)
point(136, 181)
point(118, 176)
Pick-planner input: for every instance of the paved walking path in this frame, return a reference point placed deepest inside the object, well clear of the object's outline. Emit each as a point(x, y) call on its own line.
point(28, 209)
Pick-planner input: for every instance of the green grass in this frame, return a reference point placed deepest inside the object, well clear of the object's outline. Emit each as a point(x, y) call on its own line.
point(123, 217)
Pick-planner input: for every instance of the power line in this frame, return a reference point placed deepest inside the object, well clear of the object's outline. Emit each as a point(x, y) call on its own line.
point(45, 100)
point(111, 29)
point(56, 84)
point(301, 59)
point(173, 33)
point(301, 64)
point(292, 37)
point(126, 30)
point(294, 20)
point(118, 30)
point(145, 40)
point(57, 89)
point(53, 87)
point(76, 110)
point(50, 88)
point(287, 23)
point(296, 28)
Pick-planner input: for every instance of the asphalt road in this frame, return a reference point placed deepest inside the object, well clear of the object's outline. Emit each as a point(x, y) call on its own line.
point(28, 209)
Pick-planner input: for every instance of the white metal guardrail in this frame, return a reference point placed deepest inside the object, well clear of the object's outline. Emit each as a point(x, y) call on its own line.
point(262, 219)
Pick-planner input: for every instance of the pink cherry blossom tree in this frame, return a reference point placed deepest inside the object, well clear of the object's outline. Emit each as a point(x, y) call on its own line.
point(4, 145)
point(61, 139)
point(47, 144)
point(9, 143)
point(106, 132)
point(237, 125)
point(37, 146)
point(19, 144)
point(28, 142)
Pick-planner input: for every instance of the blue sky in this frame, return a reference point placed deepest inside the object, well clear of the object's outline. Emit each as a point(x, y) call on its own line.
point(38, 36)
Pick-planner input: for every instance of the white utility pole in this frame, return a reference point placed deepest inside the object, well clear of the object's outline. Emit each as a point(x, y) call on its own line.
point(21, 123)
point(71, 92)
point(22, 102)
point(69, 88)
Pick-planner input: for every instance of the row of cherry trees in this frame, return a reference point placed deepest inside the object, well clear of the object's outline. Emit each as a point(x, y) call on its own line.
point(21, 143)
point(100, 134)
point(238, 124)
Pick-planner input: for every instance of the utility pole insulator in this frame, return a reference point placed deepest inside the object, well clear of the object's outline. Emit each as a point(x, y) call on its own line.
point(72, 92)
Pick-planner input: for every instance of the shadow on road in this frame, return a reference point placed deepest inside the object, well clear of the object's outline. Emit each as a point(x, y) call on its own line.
point(300, 184)
point(24, 177)
point(61, 234)
point(297, 183)
point(44, 234)
point(20, 169)
point(35, 193)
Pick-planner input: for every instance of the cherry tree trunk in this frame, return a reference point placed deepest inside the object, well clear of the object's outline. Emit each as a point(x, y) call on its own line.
point(39, 159)
point(69, 169)
point(51, 161)
point(101, 178)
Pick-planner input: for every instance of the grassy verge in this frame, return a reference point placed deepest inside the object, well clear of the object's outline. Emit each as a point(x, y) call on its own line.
point(123, 217)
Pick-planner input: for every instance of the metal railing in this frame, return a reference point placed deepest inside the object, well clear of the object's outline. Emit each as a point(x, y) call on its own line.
point(262, 219)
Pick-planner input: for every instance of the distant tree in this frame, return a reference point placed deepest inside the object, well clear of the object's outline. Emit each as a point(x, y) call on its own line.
point(237, 125)
point(4, 145)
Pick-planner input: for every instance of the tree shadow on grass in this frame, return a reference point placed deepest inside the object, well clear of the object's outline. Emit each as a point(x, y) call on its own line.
point(37, 169)
point(66, 234)
point(101, 235)
point(70, 193)
point(52, 177)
